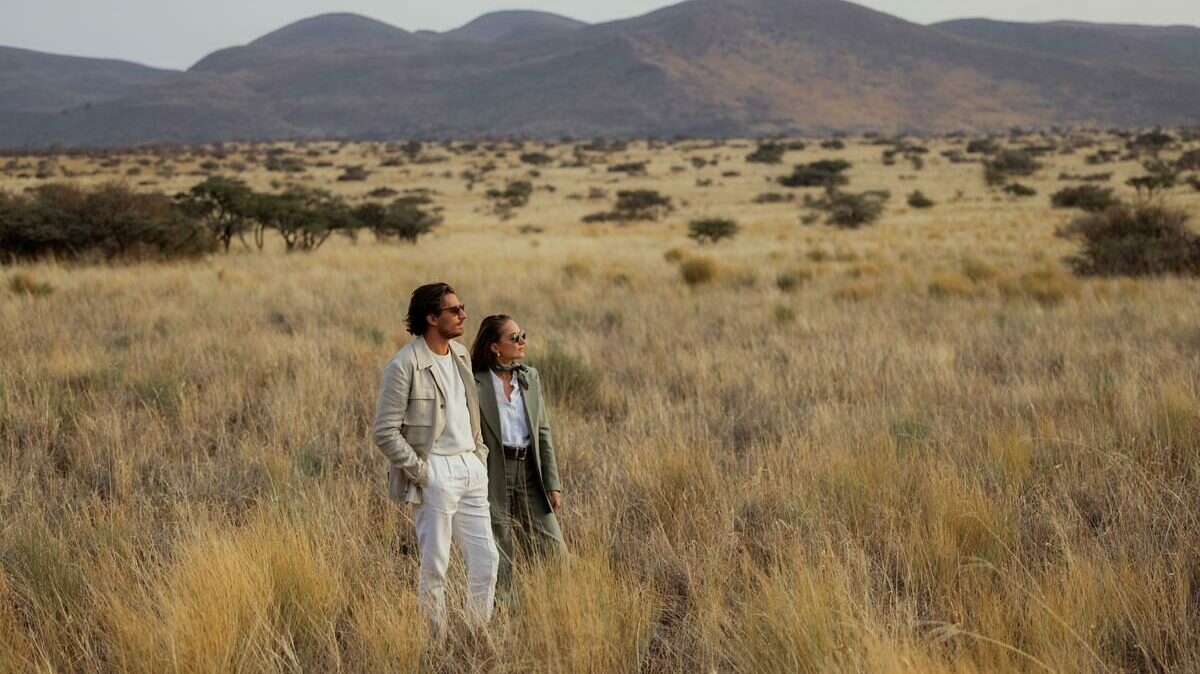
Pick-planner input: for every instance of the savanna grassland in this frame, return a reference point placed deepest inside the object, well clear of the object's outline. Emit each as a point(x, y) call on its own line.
point(921, 445)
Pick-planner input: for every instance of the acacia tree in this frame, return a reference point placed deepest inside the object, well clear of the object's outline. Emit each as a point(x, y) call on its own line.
point(402, 219)
point(226, 205)
point(305, 218)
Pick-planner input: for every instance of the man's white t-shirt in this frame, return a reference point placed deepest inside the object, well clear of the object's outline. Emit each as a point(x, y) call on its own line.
point(456, 437)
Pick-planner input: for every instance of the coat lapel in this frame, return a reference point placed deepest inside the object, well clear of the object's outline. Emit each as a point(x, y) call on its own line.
point(425, 360)
point(488, 408)
point(531, 416)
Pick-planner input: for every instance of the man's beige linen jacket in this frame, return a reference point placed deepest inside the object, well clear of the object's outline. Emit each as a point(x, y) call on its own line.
point(411, 414)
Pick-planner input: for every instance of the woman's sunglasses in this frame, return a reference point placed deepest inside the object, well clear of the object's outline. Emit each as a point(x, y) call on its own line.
point(516, 337)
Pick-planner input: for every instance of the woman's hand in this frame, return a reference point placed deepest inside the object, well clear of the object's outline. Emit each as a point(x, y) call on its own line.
point(555, 499)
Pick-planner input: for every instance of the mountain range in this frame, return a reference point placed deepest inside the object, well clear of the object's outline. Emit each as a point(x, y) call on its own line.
point(698, 68)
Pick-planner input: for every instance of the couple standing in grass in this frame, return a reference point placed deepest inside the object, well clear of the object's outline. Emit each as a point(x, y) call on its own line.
point(469, 446)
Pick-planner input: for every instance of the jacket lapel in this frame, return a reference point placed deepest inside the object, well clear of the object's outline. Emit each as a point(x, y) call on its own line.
point(488, 408)
point(531, 416)
point(425, 360)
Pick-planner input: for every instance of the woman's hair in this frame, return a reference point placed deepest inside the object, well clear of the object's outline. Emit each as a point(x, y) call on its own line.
point(482, 356)
point(425, 300)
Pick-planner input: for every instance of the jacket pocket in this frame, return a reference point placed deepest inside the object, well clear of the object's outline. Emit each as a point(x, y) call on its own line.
point(420, 411)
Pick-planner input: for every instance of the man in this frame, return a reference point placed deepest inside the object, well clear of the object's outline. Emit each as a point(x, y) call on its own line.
point(427, 424)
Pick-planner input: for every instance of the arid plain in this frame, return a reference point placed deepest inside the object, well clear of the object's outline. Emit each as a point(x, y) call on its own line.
point(920, 445)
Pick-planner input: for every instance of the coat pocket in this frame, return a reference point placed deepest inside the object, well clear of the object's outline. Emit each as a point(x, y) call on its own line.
point(420, 411)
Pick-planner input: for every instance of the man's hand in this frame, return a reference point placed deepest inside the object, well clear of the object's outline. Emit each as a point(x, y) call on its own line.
point(555, 499)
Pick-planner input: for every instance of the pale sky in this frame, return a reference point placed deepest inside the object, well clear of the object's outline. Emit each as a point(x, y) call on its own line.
point(177, 33)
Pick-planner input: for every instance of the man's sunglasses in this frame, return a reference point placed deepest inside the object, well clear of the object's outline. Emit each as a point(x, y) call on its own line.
point(460, 309)
point(516, 337)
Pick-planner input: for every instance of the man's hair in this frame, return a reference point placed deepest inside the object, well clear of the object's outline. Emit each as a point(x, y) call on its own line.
point(482, 356)
point(425, 300)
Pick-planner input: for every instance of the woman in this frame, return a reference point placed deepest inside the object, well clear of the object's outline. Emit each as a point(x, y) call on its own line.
point(523, 484)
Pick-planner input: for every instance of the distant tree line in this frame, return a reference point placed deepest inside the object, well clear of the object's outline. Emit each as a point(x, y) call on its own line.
point(112, 221)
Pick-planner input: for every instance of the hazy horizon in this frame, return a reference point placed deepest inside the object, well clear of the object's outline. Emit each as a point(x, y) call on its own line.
point(175, 34)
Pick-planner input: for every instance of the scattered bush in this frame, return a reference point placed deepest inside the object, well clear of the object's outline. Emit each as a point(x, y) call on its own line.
point(110, 221)
point(712, 229)
point(353, 173)
point(514, 195)
point(1188, 161)
point(635, 205)
point(1007, 164)
point(536, 158)
point(850, 210)
point(823, 173)
point(1090, 198)
point(24, 284)
point(633, 168)
point(698, 270)
point(918, 200)
point(1048, 287)
point(773, 198)
point(1160, 176)
point(790, 280)
point(568, 379)
point(1020, 190)
point(981, 146)
point(1086, 177)
point(1153, 141)
point(382, 193)
point(767, 153)
point(952, 284)
point(1141, 239)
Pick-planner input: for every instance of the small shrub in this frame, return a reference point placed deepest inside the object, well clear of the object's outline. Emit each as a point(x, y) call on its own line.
point(674, 255)
point(791, 280)
point(24, 284)
point(382, 193)
point(641, 205)
point(773, 198)
point(1155, 181)
point(823, 173)
point(712, 230)
point(698, 270)
point(633, 168)
point(1048, 287)
point(767, 153)
point(978, 270)
point(353, 173)
point(857, 291)
point(568, 379)
point(536, 158)
point(1090, 198)
point(1152, 141)
point(514, 195)
point(1020, 190)
point(849, 210)
point(1188, 161)
point(981, 146)
point(1008, 164)
point(1142, 239)
point(952, 284)
point(918, 200)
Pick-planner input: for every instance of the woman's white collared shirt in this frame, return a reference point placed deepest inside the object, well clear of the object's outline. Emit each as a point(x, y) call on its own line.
point(514, 426)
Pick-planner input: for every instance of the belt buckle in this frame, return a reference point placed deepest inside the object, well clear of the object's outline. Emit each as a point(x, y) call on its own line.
point(517, 453)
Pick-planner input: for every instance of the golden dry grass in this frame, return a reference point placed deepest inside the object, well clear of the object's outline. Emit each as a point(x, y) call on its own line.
point(931, 449)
